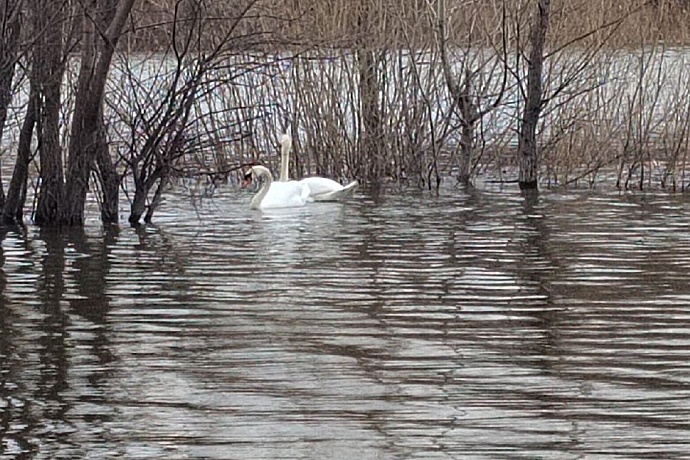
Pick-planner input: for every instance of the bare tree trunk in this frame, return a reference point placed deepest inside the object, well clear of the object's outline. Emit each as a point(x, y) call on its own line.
point(371, 145)
point(16, 193)
point(48, 60)
point(10, 15)
point(109, 178)
point(84, 128)
point(467, 133)
point(138, 204)
point(157, 199)
point(106, 171)
point(528, 160)
point(97, 53)
point(143, 185)
point(464, 94)
point(371, 149)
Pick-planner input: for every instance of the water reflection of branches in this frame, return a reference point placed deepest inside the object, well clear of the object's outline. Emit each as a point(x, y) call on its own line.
point(537, 266)
point(535, 271)
point(92, 301)
point(154, 241)
point(54, 341)
point(52, 352)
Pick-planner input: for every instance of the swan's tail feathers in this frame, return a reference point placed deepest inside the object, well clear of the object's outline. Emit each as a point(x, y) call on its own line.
point(350, 188)
point(338, 195)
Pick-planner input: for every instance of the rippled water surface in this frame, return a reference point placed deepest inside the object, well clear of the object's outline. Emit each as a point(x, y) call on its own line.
point(482, 326)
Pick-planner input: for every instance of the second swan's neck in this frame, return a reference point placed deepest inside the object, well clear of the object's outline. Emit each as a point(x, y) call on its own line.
point(260, 171)
point(285, 146)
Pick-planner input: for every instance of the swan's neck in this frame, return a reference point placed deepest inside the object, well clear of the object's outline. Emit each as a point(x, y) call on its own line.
point(259, 197)
point(286, 145)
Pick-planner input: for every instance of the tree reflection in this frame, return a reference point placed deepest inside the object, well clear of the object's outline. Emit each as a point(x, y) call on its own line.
point(49, 338)
point(536, 267)
point(52, 353)
point(536, 271)
point(90, 271)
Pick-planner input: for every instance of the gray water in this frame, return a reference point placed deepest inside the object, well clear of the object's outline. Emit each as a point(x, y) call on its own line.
point(481, 326)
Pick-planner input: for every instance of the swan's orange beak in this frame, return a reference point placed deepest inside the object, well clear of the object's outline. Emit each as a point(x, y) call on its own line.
point(247, 180)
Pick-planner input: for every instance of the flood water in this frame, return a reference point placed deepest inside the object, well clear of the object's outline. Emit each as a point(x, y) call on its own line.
point(465, 326)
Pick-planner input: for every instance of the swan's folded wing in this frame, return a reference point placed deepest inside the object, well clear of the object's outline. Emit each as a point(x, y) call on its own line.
point(319, 185)
point(337, 195)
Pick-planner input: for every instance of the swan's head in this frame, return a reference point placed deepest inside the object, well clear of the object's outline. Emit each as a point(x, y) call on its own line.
point(286, 142)
point(253, 173)
point(248, 177)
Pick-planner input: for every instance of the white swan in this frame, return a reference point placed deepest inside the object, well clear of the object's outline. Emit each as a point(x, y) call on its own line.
point(320, 188)
point(276, 194)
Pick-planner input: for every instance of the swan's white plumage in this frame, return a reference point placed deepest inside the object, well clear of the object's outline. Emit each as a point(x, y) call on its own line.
point(320, 188)
point(324, 189)
point(278, 194)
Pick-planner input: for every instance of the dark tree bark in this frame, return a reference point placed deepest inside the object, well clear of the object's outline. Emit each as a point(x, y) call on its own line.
point(142, 189)
point(106, 171)
point(10, 27)
point(528, 160)
point(86, 131)
point(82, 146)
point(371, 148)
point(109, 179)
point(49, 63)
point(142, 185)
point(16, 193)
point(157, 199)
